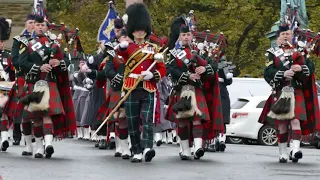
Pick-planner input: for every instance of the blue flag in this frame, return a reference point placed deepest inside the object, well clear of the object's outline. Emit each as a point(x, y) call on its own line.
point(106, 32)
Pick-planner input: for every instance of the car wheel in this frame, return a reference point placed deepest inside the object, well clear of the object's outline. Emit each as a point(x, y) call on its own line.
point(234, 140)
point(267, 136)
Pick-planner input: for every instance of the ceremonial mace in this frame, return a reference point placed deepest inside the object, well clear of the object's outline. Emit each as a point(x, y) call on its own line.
point(125, 97)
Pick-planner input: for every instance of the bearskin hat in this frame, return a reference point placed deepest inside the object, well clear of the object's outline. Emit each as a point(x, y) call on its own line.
point(175, 29)
point(138, 19)
point(118, 23)
point(5, 28)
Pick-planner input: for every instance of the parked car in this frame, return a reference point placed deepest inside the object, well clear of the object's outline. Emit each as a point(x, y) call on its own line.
point(244, 124)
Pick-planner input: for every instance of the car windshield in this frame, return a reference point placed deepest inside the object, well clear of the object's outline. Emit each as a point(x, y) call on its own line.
point(240, 103)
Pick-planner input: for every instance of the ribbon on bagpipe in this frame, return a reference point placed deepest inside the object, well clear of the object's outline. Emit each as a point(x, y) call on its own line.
point(70, 36)
point(212, 44)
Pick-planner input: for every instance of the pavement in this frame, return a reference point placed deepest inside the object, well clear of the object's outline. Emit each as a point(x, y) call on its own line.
point(80, 160)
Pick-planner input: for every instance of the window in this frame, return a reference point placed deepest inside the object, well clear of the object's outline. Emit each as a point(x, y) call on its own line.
point(261, 104)
point(240, 103)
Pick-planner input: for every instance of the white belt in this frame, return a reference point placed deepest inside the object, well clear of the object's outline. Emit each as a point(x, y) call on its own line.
point(221, 80)
point(135, 76)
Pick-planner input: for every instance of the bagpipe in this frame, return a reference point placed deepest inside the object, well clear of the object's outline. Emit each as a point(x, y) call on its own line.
point(284, 107)
point(38, 100)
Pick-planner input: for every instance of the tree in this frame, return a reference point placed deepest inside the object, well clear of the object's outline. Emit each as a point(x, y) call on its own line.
point(244, 23)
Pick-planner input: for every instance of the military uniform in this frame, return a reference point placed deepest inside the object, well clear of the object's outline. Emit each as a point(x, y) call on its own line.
point(139, 107)
point(306, 108)
point(5, 31)
point(114, 71)
point(194, 105)
point(14, 108)
point(34, 53)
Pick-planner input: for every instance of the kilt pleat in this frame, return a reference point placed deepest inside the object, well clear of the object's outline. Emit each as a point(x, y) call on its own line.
point(110, 103)
point(79, 98)
point(13, 107)
point(55, 104)
point(201, 103)
point(94, 101)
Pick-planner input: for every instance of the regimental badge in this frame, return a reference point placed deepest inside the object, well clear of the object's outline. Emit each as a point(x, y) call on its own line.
point(149, 49)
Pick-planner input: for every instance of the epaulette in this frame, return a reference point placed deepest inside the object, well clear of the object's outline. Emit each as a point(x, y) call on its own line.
point(18, 38)
point(24, 40)
point(112, 53)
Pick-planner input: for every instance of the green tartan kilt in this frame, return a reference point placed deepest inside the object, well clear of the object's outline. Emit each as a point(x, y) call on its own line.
point(201, 103)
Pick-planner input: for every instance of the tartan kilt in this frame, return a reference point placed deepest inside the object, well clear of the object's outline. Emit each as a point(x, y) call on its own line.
point(300, 109)
point(13, 107)
point(110, 103)
point(201, 103)
point(55, 103)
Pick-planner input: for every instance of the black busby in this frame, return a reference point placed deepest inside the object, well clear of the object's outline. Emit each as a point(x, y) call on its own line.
point(5, 28)
point(282, 28)
point(118, 23)
point(123, 32)
point(30, 17)
point(138, 19)
point(39, 19)
point(175, 30)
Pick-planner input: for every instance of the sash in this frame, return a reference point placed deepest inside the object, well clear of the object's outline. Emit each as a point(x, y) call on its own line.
point(135, 60)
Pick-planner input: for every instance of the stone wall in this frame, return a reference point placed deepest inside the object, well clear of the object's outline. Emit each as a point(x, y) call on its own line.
point(16, 10)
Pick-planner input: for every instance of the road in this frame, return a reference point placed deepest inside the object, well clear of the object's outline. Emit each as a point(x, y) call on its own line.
point(78, 159)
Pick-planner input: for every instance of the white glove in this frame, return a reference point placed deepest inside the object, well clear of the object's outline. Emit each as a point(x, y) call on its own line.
point(288, 74)
point(89, 86)
point(88, 81)
point(124, 44)
point(90, 60)
point(75, 75)
point(229, 75)
point(158, 57)
point(147, 75)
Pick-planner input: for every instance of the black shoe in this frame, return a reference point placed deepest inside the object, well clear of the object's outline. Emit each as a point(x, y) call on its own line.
point(97, 144)
point(16, 142)
point(25, 153)
point(49, 151)
point(283, 160)
point(222, 146)
point(117, 154)
point(112, 144)
point(199, 153)
point(159, 143)
point(218, 146)
point(175, 139)
point(38, 155)
point(103, 144)
point(33, 140)
point(126, 156)
point(296, 157)
point(184, 157)
point(4, 146)
point(149, 155)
